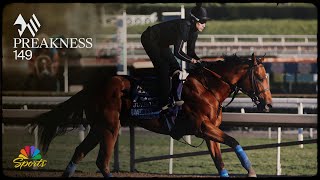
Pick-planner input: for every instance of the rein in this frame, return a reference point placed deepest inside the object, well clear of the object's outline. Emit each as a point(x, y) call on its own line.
point(233, 87)
point(185, 142)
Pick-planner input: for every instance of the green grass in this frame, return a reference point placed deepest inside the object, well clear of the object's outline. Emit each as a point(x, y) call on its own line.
point(245, 26)
point(258, 26)
point(294, 161)
point(262, 26)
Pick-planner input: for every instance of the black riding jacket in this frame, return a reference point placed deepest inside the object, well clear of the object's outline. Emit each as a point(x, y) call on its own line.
point(176, 32)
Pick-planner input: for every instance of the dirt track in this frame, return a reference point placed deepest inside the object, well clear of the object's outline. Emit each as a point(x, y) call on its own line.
point(42, 173)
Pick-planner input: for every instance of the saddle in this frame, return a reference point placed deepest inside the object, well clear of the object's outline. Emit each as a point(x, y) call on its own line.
point(145, 102)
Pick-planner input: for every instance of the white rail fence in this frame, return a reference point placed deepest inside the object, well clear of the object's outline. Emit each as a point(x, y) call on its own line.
point(237, 102)
point(132, 19)
point(24, 116)
point(217, 45)
point(300, 120)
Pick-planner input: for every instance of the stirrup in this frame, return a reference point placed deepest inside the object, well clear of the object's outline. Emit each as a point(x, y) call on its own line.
point(178, 103)
point(165, 107)
point(176, 72)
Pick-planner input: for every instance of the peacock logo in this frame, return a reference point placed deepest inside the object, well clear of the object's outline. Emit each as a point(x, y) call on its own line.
point(29, 157)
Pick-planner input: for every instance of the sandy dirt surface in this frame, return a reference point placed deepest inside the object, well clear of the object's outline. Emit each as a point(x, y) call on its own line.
point(78, 174)
point(57, 173)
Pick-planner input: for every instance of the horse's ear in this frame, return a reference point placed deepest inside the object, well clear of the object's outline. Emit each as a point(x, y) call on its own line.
point(262, 58)
point(253, 57)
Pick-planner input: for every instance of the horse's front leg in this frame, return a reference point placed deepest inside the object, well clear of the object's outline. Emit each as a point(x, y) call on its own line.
point(108, 120)
point(215, 152)
point(108, 140)
point(213, 133)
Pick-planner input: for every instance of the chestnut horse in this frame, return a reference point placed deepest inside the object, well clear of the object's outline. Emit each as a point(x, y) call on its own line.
point(107, 107)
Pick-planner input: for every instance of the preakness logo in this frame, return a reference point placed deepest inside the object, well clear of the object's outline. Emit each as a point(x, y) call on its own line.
point(26, 44)
point(33, 22)
point(29, 157)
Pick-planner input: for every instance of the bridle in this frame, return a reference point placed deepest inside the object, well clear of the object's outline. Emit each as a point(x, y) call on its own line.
point(254, 94)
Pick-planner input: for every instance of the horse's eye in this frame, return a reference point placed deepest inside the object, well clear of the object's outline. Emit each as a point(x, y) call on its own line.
point(262, 78)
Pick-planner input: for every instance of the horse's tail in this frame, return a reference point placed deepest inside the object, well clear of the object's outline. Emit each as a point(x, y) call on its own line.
point(64, 117)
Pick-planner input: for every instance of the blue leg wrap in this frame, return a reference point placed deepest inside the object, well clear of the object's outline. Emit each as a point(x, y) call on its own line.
point(243, 157)
point(71, 168)
point(224, 173)
point(109, 175)
point(106, 175)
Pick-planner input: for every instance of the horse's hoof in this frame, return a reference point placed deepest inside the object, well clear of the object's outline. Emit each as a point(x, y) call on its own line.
point(252, 173)
point(66, 175)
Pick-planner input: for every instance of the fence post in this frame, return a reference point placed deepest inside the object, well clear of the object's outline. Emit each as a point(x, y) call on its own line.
point(269, 132)
point(311, 133)
point(269, 128)
point(66, 75)
point(36, 143)
point(81, 132)
point(132, 148)
point(116, 167)
point(81, 128)
point(183, 63)
point(300, 130)
point(278, 153)
point(171, 153)
point(116, 164)
point(243, 111)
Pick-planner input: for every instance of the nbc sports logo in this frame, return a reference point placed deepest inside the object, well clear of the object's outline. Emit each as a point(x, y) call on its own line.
point(29, 157)
point(33, 25)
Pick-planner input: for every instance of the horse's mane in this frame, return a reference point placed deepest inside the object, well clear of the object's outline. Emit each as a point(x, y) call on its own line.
point(229, 61)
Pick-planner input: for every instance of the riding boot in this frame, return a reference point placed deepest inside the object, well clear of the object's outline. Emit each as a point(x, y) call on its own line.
point(176, 88)
point(166, 116)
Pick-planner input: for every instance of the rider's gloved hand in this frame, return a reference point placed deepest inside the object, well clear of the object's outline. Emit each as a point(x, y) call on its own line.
point(193, 61)
point(199, 64)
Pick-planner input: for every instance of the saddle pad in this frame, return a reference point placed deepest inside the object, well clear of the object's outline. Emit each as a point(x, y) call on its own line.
point(145, 103)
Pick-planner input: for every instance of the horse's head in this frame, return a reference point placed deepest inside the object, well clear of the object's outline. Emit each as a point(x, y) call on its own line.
point(256, 85)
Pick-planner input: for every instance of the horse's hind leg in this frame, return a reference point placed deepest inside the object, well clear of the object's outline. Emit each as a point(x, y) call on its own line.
point(81, 151)
point(215, 134)
point(215, 152)
point(105, 152)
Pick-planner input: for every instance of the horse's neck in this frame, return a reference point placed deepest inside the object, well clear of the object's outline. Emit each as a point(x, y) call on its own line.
point(231, 74)
point(214, 84)
point(229, 78)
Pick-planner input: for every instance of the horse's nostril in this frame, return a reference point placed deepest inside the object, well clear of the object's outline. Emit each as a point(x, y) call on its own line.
point(268, 106)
